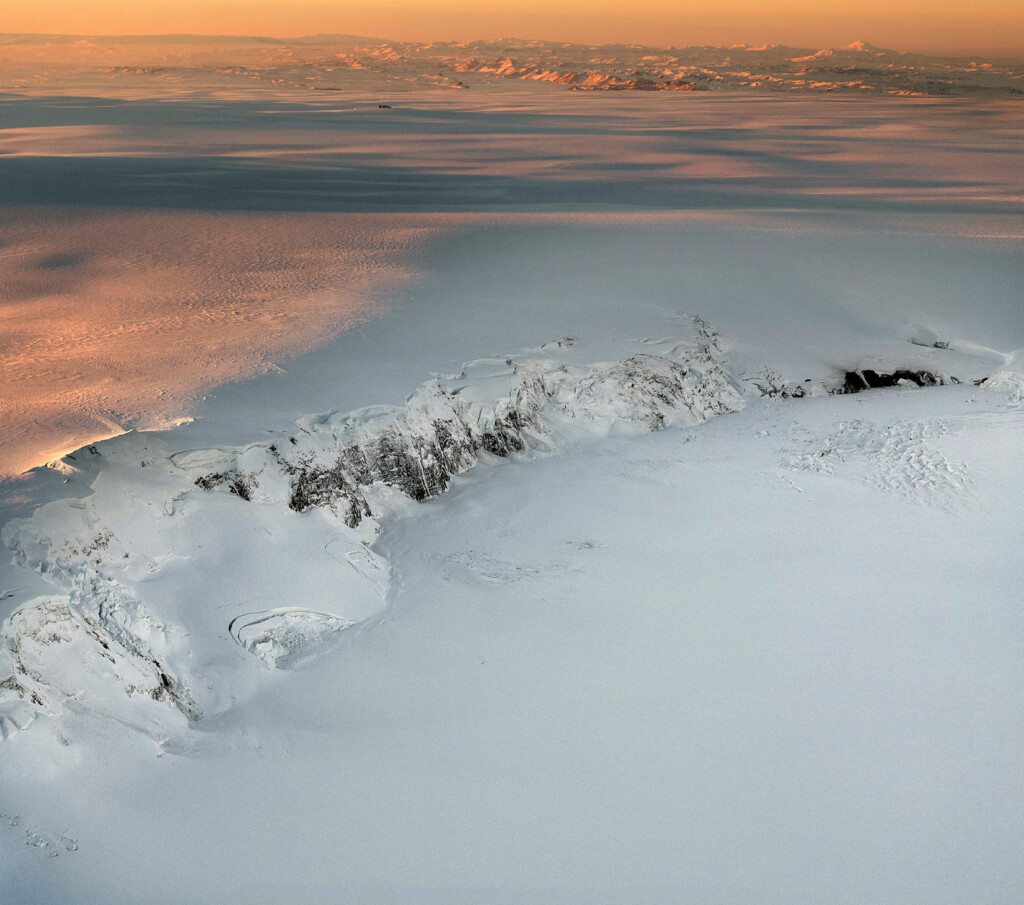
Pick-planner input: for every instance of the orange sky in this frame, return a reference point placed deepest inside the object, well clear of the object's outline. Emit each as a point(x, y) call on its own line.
point(922, 25)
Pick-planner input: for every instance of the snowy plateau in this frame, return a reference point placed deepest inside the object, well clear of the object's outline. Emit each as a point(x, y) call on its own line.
point(510, 496)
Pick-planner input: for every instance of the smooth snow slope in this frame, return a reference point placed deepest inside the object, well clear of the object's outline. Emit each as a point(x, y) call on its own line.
point(767, 653)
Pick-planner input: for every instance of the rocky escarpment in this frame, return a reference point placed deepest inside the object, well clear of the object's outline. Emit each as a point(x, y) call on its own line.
point(448, 425)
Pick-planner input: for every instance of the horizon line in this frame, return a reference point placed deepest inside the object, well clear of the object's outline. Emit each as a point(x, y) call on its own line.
point(351, 36)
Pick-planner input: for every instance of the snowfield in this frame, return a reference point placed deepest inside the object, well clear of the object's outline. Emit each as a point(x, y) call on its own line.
point(591, 554)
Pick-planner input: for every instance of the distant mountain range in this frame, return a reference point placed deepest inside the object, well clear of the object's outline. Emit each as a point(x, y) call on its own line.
point(340, 61)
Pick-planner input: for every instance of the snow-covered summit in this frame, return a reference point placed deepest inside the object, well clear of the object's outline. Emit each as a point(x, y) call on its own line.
point(864, 47)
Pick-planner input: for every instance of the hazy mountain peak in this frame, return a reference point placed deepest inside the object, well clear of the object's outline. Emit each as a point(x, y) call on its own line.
point(863, 47)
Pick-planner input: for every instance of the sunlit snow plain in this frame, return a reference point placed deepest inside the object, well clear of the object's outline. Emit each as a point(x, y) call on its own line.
point(515, 542)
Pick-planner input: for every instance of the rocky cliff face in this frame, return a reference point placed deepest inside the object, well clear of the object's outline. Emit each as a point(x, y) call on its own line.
point(448, 425)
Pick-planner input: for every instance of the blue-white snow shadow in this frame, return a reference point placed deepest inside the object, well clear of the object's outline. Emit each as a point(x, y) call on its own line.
point(797, 166)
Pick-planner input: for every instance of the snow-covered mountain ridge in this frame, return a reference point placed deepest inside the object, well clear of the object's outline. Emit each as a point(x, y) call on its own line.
point(125, 638)
point(101, 647)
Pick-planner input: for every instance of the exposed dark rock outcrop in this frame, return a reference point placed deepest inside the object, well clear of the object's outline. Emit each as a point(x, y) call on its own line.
point(867, 379)
point(446, 427)
point(417, 456)
point(239, 483)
